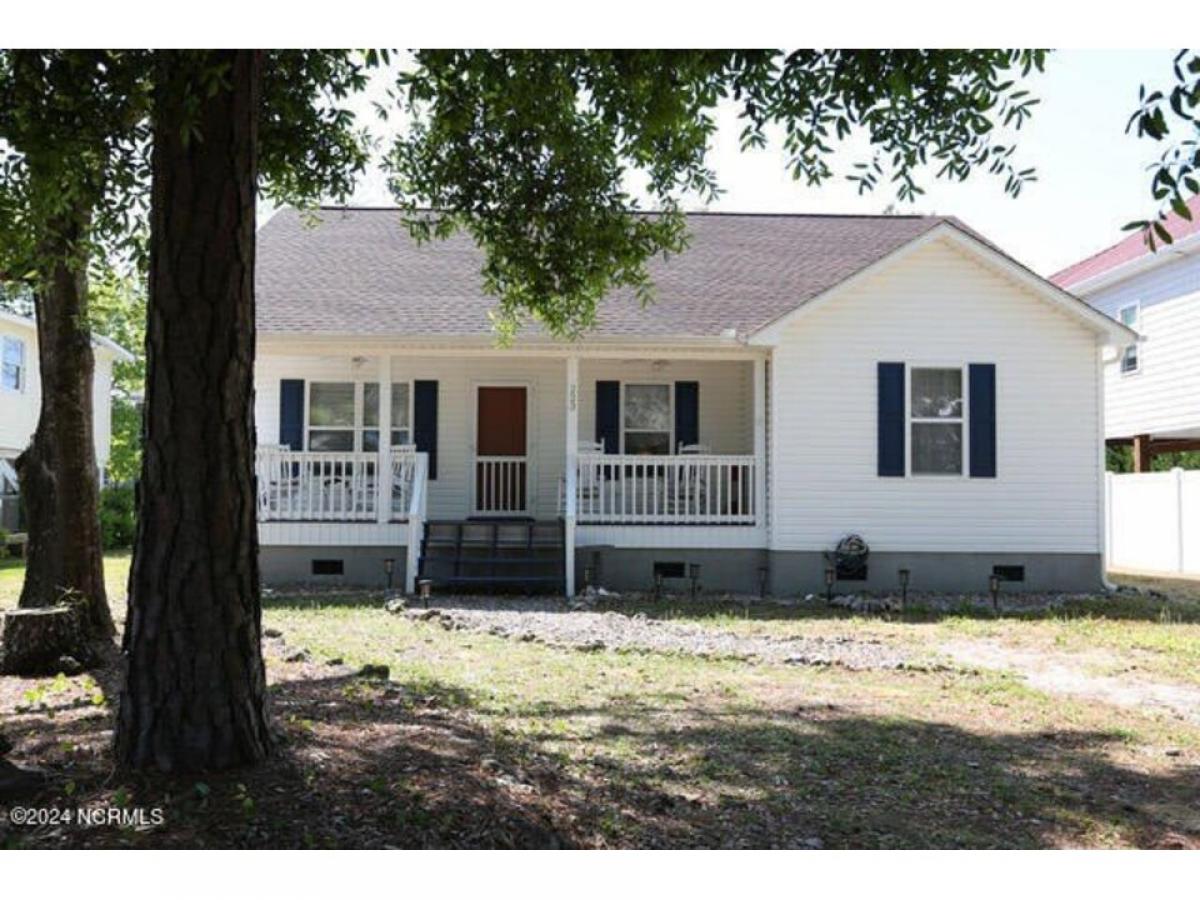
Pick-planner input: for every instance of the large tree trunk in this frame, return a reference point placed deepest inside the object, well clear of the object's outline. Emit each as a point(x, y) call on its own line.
point(194, 694)
point(59, 481)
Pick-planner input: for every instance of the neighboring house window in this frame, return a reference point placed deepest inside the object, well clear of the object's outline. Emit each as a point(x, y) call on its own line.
point(12, 365)
point(1130, 317)
point(935, 415)
point(331, 415)
point(647, 418)
point(401, 415)
point(9, 483)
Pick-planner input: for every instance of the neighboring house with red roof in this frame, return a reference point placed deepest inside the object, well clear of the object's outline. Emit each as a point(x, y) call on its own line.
point(1152, 389)
point(797, 379)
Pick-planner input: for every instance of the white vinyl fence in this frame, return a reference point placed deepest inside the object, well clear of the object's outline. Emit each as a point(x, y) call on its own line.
point(1154, 522)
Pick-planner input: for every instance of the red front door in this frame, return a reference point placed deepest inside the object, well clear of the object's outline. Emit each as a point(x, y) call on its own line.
point(501, 460)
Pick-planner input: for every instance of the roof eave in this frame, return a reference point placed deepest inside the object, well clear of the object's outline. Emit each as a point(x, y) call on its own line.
point(118, 352)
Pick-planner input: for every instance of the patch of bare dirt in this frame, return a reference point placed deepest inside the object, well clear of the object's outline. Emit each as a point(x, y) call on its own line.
point(1067, 673)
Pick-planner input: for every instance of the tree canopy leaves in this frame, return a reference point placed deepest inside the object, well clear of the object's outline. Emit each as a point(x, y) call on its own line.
point(538, 153)
point(73, 136)
point(74, 131)
point(1175, 177)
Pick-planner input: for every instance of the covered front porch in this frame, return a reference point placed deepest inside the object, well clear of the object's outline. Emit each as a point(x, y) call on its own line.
point(623, 449)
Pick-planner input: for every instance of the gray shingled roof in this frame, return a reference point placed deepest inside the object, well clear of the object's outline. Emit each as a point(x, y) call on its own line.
point(359, 273)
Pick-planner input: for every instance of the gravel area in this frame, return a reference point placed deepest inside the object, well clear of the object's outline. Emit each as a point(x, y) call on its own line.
point(549, 623)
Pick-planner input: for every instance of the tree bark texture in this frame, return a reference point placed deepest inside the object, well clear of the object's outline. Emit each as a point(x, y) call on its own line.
point(194, 693)
point(59, 481)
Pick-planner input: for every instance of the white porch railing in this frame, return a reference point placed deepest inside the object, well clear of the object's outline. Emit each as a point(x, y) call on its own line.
point(317, 486)
point(501, 485)
point(688, 489)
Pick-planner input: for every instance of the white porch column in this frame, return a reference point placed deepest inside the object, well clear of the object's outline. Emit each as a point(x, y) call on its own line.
point(572, 472)
point(383, 481)
point(760, 441)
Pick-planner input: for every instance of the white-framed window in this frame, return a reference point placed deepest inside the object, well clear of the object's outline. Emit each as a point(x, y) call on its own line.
point(401, 415)
point(647, 419)
point(12, 364)
point(936, 420)
point(343, 416)
point(333, 416)
point(1130, 316)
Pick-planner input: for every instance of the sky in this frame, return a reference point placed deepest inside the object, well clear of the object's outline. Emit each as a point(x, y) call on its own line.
point(1092, 176)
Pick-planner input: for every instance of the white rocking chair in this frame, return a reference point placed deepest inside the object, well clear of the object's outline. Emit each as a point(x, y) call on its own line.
point(588, 492)
point(273, 480)
point(695, 490)
point(401, 479)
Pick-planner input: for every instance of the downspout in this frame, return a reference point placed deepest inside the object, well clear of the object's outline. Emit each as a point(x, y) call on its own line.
point(1102, 479)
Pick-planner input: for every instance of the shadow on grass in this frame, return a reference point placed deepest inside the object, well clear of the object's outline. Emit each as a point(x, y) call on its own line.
point(430, 764)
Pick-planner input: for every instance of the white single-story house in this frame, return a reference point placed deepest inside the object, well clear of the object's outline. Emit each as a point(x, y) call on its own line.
point(797, 379)
point(21, 401)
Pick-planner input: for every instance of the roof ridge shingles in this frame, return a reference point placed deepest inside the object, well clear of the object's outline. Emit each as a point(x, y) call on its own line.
point(359, 273)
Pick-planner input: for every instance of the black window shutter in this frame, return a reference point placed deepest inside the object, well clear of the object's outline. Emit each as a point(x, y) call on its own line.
point(608, 415)
point(982, 379)
point(891, 419)
point(425, 421)
point(687, 413)
point(291, 413)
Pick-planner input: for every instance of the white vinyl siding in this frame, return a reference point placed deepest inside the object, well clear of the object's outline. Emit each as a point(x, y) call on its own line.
point(1164, 397)
point(102, 380)
point(936, 304)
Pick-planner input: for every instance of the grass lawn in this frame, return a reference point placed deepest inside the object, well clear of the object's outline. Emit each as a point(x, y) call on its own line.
point(116, 575)
point(478, 740)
